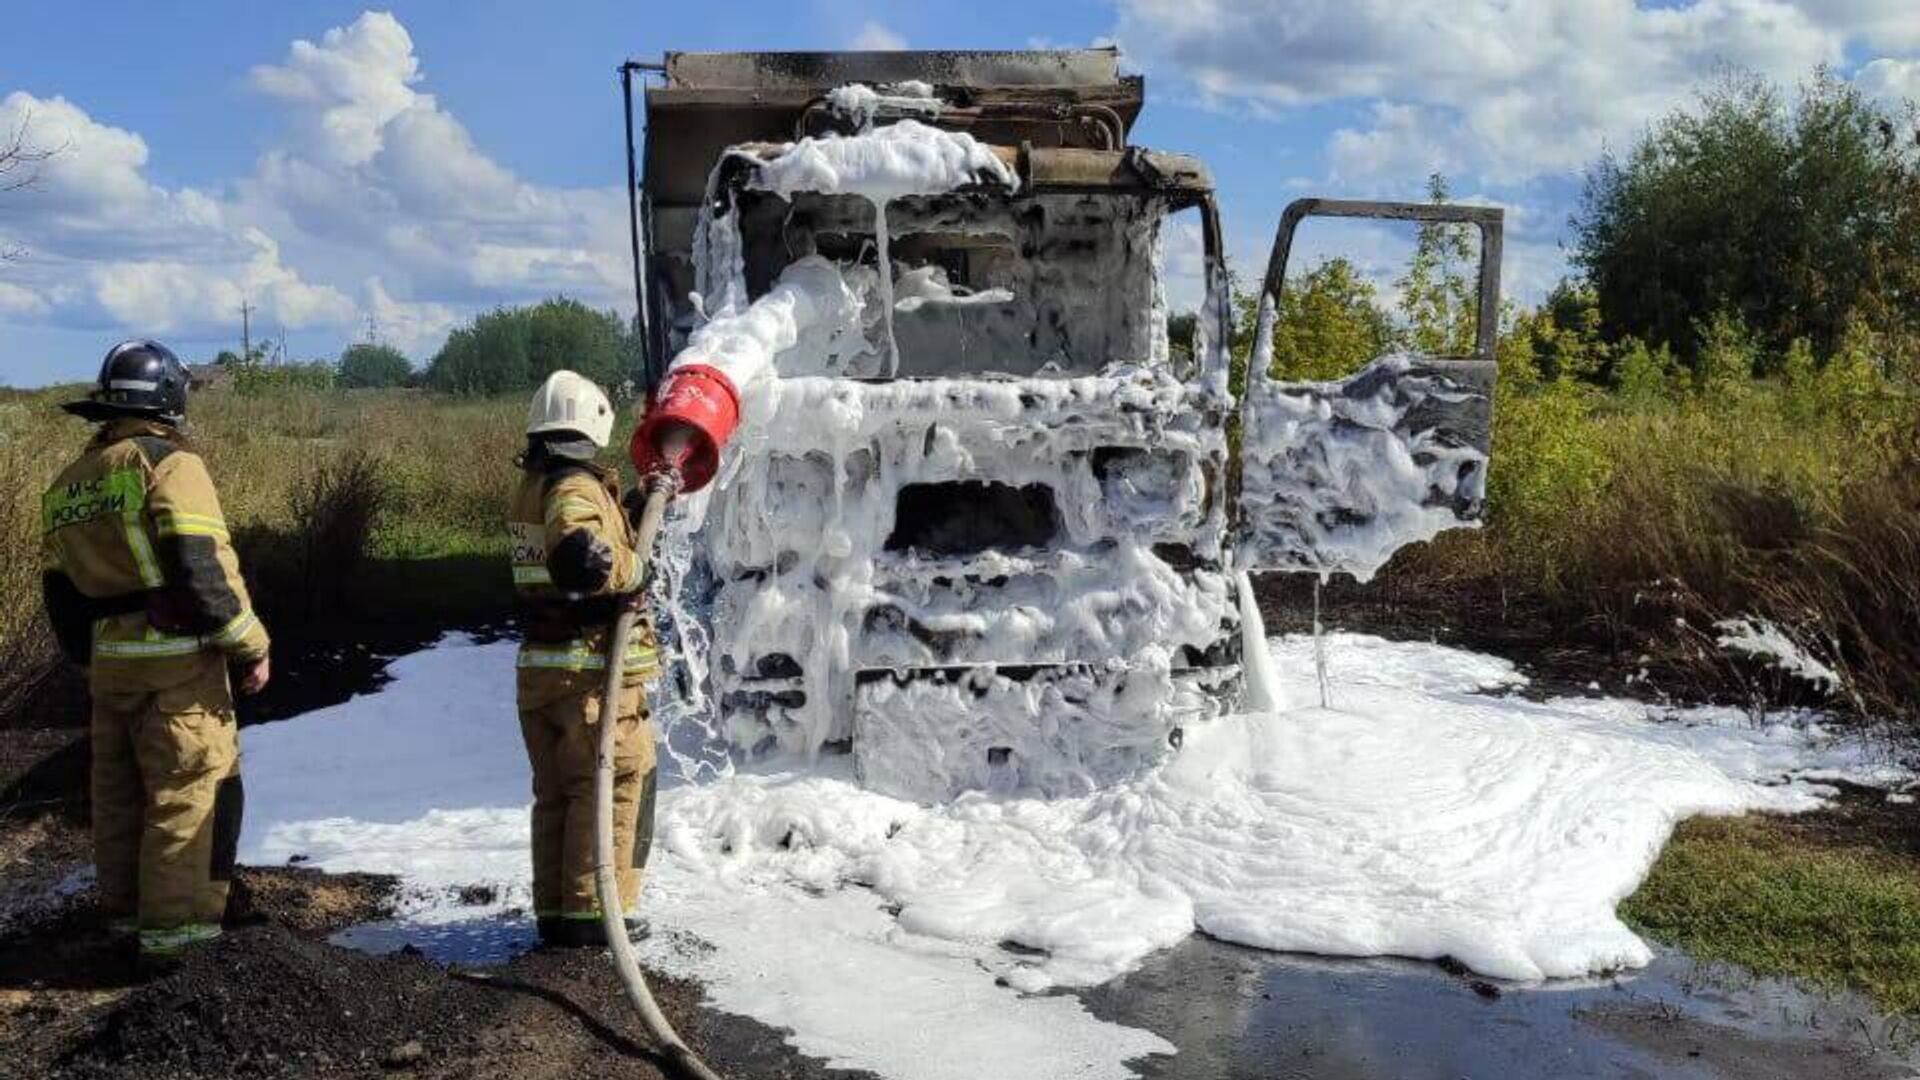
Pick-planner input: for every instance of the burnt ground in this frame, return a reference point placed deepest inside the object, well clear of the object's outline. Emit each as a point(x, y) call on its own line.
point(1555, 659)
point(1859, 817)
point(273, 999)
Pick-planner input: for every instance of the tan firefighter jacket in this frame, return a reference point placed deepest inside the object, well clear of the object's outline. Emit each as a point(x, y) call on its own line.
point(141, 580)
point(573, 558)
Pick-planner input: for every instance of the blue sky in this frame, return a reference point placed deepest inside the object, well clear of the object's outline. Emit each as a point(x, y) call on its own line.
point(418, 163)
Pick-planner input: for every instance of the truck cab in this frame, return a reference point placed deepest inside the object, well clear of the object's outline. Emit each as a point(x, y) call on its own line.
point(990, 535)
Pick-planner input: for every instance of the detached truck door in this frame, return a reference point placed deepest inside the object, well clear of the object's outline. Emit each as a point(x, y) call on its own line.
point(1337, 476)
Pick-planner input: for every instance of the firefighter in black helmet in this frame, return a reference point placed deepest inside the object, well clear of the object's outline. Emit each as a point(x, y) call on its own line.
point(144, 590)
point(138, 378)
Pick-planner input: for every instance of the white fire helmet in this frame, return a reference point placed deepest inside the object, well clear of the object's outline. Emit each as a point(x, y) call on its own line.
point(570, 402)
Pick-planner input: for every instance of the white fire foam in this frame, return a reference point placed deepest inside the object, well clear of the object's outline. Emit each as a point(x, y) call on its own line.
point(1339, 475)
point(793, 530)
point(1423, 818)
point(1765, 641)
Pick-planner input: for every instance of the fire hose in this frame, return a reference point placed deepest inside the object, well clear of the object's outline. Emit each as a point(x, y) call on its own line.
point(677, 444)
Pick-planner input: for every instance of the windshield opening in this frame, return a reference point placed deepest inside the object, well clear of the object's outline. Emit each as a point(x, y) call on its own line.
point(1029, 286)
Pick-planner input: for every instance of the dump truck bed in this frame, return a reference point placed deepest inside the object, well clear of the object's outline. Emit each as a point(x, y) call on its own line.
point(714, 100)
point(1073, 98)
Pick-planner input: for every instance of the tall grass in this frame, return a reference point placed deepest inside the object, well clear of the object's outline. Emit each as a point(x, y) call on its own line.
point(1640, 523)
point(1849, 591)
point(29, 660)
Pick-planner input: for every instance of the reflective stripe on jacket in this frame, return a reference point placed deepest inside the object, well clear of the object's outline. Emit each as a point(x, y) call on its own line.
point(580, 654)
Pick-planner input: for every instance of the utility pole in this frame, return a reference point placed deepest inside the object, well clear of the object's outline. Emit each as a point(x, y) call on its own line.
point(246, 333)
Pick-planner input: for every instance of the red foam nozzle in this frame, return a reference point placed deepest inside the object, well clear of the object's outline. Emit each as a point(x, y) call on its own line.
point(692, 417)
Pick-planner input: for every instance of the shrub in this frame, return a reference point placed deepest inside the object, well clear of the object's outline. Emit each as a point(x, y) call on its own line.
point(335, 508)
point(1439, 301)
point(369, 366)
point(1645, 377)
point(1549, 464)
point(1329, 324)
point(1727, 356)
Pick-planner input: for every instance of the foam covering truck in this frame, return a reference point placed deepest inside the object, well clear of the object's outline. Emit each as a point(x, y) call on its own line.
point(986, 523)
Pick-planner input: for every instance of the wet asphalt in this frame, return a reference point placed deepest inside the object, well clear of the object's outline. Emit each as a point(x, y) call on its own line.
point(1243, 1014)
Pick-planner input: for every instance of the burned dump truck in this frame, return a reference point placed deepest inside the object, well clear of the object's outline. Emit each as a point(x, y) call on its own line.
point(979, 522)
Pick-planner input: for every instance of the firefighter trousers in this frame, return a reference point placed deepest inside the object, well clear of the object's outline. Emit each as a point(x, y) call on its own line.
point(167, 803)
point(562, 738)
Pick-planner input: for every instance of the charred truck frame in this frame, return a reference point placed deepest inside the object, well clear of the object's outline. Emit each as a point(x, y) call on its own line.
point(998, 544)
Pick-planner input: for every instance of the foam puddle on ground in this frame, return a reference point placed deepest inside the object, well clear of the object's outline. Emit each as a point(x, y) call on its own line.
point(1423, 816)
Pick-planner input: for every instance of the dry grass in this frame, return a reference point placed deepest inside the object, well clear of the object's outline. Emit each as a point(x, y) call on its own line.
point(28, 657)
point(1849, 592)
point(1640, 528)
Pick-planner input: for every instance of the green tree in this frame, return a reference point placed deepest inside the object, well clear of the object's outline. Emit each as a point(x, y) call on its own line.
point(1577, 349)
point(1329, 324)
point(367, 365)
point(488, 356)
point(509, 350)
point(563, 333)
point(1514, 352)
point(1791, 216)
point(1438, 298)
point(1564, 336)
point(1853, 382)
point(1799, 383)
point(1182, 329)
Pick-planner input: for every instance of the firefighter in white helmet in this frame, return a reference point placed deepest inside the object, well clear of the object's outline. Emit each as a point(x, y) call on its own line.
point(574, 564)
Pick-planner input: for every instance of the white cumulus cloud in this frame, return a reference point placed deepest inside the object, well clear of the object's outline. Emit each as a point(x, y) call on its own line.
point(1508, 90)
point(165, 295)
point(106, 246)
point(370, 201)
point(415, 328)
point(352, 84)
point(1884, 24)
point(1890, 81)
point(381, 166)
point(1516, 97)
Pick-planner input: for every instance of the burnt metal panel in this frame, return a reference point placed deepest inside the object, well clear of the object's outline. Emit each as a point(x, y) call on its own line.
point(1436, 411)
